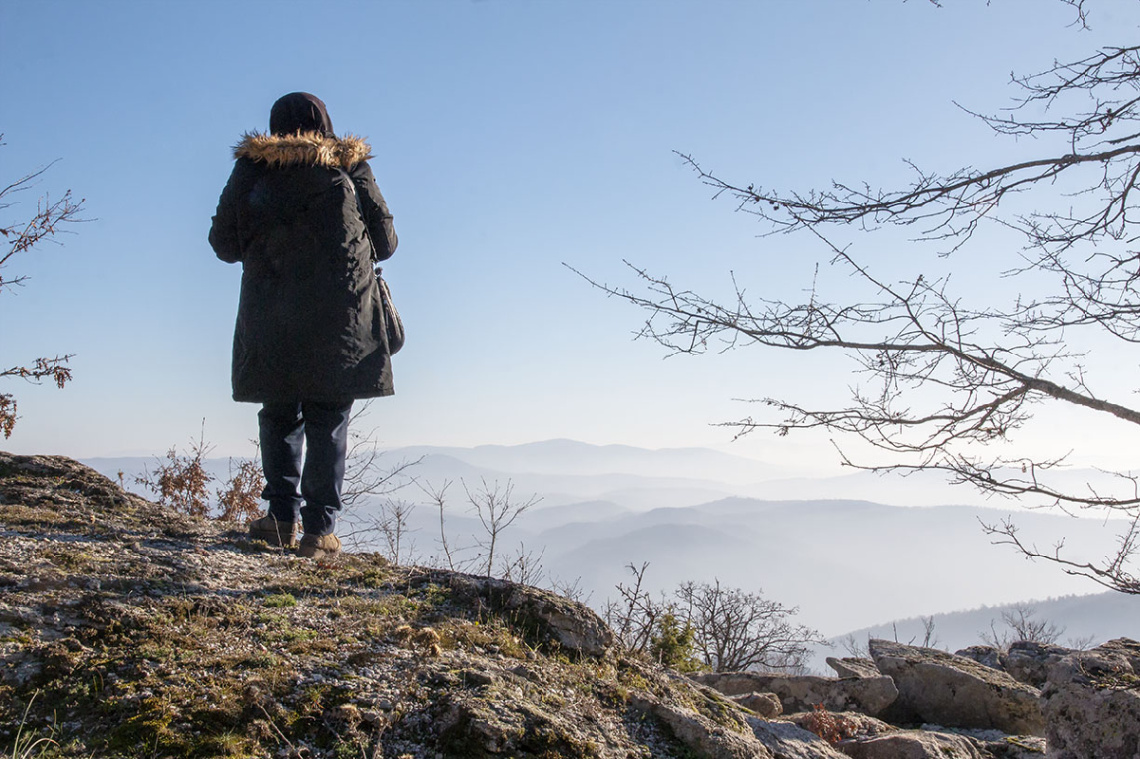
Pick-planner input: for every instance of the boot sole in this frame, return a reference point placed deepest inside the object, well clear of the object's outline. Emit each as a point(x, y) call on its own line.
point(274, 538)
point(310, 552)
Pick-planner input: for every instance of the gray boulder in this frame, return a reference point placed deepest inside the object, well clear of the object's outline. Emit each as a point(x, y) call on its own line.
point(786, 740)
point(565, 624)
point(1091, 703)
point(911, 744)
point(987, 655)
point(767, 705)
point(869, 695)
point(850, 666)
point(954, 691)
point(701, 735)
point(841, 725)
point(1029, 662)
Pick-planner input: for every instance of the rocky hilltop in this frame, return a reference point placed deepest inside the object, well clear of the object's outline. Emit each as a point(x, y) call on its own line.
point(129, 630)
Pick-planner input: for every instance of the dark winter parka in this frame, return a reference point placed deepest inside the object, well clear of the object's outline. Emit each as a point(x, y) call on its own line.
point(310, 325)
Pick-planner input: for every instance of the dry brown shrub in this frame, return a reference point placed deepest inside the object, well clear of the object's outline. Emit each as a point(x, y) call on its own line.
point(182, 483)
point(831, 727)
point(239, 499)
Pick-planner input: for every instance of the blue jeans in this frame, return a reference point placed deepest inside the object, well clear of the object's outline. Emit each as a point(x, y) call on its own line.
point(324, 429)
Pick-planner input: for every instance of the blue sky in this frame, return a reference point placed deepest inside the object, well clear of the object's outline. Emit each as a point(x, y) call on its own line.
point(510, 138)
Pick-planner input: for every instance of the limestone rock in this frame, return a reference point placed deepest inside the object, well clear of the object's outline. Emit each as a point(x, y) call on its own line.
point(944, 689)
point(800, 693)
point(845, 724)
point(987, 655)
point(573, 626)
point(1029, 662)
point(1091, 703)
point(850, 666)
point(767, 705)
point(911, 744)
point(786, 740)
point(1014, 747)
point(702, 735)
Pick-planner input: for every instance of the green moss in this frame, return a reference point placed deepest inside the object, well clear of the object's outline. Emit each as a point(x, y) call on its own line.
point(280, 601)
point(261, 660)
point(492, 636)
point(294, 635)
point(269, 619)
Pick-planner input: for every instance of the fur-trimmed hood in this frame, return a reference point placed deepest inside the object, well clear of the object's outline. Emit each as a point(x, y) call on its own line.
point(303, 148)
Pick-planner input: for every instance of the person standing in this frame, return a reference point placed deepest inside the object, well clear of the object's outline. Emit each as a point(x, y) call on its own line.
point(304, 216)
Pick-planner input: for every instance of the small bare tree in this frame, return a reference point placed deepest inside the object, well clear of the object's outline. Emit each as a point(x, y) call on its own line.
point(571, 589)
point(852, 646)
point(497, 508)
point(438, 496)
point(523, 566)
point(1021, 624)
point(634, 616)
point(735, 630)
point(707, 626)
point(929, 639)
point(366, 473)
point(394, 520)
point(370, 479)
point(21, 236)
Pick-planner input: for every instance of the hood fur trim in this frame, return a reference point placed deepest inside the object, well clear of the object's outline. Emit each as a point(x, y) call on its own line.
point(303, 148)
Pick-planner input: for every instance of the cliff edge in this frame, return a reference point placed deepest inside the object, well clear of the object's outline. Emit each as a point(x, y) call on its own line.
point(129, 630)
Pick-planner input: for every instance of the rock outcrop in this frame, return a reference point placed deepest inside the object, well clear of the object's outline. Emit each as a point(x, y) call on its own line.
point(954, 691)
point(128, 630)
point(1029, 662)
point(1091, 703)
point(990, 656)
point(869, 695)
point(851, 666)
point(786, 740)
point(767, 705)
point(912, 744)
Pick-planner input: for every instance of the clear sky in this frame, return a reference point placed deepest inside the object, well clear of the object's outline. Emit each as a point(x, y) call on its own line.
point(510, 137)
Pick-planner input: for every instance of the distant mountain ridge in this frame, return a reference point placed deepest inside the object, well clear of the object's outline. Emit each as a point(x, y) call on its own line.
point(571, 457)
point(1080, 618)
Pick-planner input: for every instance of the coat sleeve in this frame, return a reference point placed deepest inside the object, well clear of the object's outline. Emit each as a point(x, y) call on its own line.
point(376, 213)
point(225, 236)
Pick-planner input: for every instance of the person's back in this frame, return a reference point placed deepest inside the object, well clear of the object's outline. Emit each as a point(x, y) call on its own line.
point(303, 214)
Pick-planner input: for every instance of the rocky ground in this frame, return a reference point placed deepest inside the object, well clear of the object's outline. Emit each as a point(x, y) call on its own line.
point(127, 630)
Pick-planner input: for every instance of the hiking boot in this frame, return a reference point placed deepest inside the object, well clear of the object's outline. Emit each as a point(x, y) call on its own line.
point(274, 531)
point(319, 546)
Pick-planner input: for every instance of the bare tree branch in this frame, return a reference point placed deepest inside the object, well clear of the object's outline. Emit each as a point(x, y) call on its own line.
point(940, 383)
point(21, 236)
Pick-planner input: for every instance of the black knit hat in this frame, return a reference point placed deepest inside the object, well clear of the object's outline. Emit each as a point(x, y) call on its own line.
point(300, 112)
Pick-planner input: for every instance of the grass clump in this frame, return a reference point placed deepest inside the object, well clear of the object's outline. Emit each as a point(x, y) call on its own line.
point(280, 601)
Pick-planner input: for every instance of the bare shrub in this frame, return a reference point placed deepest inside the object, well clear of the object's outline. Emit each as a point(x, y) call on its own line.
point(497, 508)
point(239, 499)
point(707, 626)
point(182, 482)
point(736, 630)
point(1021, 624)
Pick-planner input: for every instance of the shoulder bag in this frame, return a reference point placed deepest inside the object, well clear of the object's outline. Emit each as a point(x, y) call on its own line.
point(393, 324)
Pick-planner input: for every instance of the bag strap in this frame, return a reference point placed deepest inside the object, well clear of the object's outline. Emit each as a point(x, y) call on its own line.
point(363, 216)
